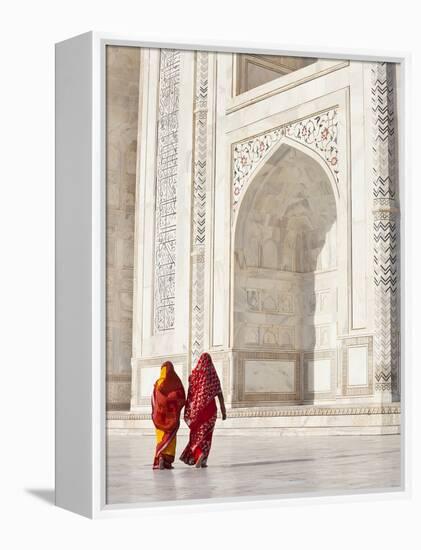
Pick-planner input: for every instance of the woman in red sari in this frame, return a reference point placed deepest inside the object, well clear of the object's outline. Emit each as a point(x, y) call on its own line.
point(168, 398)
point(200, 411)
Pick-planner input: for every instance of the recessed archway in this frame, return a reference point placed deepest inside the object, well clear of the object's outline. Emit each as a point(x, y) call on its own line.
point(285, 281)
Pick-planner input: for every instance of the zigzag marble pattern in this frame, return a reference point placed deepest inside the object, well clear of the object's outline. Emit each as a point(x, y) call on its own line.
point(386, 229)
point(199, 206)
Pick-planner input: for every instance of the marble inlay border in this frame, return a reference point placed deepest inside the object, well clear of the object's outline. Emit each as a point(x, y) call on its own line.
point(319, 132)
point(166, 190)
point(118, 377)
point(242, 356)
point(285, 411)
point(118, 406)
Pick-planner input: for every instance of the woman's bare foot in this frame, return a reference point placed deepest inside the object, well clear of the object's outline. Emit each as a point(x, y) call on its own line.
point(161, 463)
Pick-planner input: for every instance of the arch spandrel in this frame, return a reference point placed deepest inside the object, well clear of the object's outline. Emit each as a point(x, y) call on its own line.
point(267, 166)
point(317, 136)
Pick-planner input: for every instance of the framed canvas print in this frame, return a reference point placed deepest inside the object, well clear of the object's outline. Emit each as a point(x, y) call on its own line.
point(230, 257)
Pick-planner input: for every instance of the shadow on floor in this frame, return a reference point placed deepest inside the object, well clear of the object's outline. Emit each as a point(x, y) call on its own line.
point(265, 462)
point(47, 495)
point(235, 464)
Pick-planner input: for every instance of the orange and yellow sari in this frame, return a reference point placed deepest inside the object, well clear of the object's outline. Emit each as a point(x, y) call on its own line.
point(168, 398)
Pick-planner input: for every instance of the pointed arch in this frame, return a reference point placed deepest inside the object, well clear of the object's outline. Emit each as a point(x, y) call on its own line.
point(291, 203)
point(270, 161)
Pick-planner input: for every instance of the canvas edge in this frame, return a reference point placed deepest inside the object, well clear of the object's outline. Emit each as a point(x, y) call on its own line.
point(73, 264)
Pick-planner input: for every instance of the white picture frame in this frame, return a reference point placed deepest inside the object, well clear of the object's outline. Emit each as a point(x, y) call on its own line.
point(80, 272)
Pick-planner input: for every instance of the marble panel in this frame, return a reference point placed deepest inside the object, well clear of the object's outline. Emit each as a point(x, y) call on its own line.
point(269, 376)
point(319, 375)
point(358, 366)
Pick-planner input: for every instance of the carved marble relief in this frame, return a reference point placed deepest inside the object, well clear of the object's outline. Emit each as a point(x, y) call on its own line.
point(311, 303)
point(263, 335)
point(269, 303)
point(286, 338)
point(325, 301)
point(261, 300)
point(319, 302)
point(253, 300)
point(286, 303)
point(323, 339)
point(291, 219)
point(251, 335)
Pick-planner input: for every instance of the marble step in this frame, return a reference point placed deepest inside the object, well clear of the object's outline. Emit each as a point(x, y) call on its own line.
point(299, 420)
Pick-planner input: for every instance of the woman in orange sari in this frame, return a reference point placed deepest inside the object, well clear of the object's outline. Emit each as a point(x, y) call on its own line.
point(168, 398)
point(200, 411)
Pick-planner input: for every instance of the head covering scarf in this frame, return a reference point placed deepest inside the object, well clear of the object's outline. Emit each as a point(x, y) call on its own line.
point(168, 380)
point(204, 386)
point(168, 398)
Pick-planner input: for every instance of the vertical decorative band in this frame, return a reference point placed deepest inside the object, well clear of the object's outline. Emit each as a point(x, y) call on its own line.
point(386, 229)
point(199, 205)
point(166, 190)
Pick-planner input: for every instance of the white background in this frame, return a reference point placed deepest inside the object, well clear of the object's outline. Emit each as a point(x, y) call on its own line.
point(28, 33)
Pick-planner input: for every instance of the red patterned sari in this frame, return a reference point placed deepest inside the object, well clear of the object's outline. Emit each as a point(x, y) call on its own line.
point(168, 398)
point(200, 411)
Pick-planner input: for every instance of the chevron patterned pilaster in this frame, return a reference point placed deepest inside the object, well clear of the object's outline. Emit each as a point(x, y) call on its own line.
point(386, 232)
point(199, 207)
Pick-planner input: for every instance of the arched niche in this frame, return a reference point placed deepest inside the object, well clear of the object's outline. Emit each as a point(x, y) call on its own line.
point(285, 277)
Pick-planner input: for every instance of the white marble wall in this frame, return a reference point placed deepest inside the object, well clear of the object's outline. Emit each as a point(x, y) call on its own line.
point(122, 99)
point(164, 177)
point(288, 255)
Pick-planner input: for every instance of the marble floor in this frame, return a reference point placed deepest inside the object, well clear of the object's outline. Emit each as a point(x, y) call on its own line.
point(245, 466)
